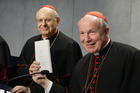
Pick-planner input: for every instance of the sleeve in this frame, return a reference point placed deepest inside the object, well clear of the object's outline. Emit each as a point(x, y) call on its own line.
point(7, 54)
point(37, 88)
point(71, 87)
point(23, 65)
point(4, 54)
point(4, 60)
point(56, 88)
point(73, 55)
point(134, 81)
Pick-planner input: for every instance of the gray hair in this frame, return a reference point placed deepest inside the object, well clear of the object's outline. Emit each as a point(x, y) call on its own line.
point(102, 23)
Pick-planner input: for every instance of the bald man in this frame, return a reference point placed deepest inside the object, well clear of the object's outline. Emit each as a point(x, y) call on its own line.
point(65, 52)
point(109, 67)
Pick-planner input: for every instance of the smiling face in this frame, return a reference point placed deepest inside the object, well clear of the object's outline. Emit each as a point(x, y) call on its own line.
point(47, 22)
point(92, 35)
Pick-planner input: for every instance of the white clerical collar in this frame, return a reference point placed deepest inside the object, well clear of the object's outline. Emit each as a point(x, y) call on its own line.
point(97, 53)
point(106, 43)
point(44, 38)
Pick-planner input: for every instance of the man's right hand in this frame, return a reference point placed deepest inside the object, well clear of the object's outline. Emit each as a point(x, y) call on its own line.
point(38, 78)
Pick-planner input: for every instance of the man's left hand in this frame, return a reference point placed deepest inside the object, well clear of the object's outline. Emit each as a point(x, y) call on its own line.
point(21, 89)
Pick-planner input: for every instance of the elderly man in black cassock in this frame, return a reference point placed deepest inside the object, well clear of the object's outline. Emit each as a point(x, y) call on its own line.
point(109, 67)
point(65, 52)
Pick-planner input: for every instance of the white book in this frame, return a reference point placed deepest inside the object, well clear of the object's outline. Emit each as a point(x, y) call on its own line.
point(43, 55)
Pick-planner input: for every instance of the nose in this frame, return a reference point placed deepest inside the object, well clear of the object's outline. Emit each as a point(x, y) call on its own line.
point(87, 38)
point(44, 23)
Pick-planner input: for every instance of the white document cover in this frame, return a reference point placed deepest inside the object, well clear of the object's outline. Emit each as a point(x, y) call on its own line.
point(42, 55)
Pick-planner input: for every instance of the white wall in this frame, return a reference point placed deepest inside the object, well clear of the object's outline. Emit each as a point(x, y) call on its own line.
point(18, 23)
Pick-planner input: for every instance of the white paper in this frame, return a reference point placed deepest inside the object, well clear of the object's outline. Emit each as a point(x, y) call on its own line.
point(42, 54)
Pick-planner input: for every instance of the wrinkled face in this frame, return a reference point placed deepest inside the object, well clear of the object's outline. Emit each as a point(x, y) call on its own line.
point(47, 22)
point(92, 36)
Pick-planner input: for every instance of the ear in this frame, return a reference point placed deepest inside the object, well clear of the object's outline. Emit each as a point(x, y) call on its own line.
point(58, 20)
point(107, 30)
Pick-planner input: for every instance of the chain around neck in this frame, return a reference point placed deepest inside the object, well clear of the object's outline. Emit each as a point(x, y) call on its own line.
point(54, 40)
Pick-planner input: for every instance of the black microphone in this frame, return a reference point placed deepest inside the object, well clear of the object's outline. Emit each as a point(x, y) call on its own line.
point(46, 72)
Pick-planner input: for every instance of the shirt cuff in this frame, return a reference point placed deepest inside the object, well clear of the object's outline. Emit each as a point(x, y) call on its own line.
point(47, 90)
